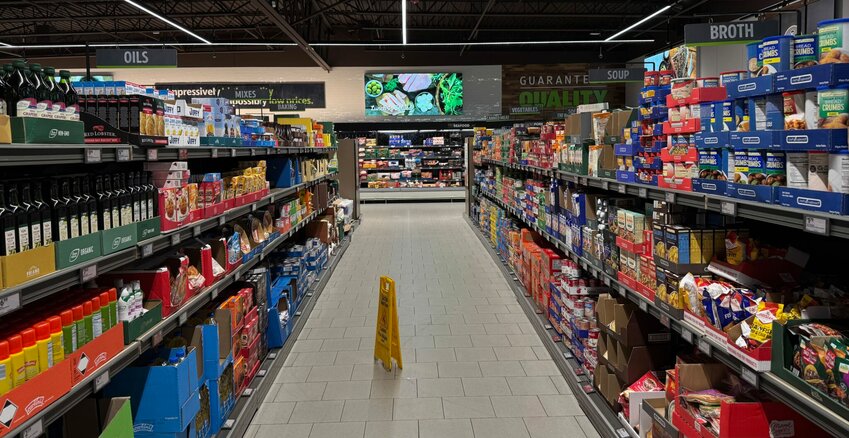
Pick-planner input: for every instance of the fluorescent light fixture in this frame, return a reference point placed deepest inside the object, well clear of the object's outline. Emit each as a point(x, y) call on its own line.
point(481, 43)
point(5, 45)
point(169, 22)
point(660, 11)
point(404, 21)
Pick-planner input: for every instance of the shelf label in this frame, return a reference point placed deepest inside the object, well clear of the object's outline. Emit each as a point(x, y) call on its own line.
point(147, 250)
point(248, 392)
point(229, 424)
point(92, 155)
point(623, 189)
point(664, 319)
point(152, 154)
point(213, 153)
point(588, 388)
point(253, 152)
point(643, 192)
point(298, 313)
point(261, 373)
point(183, 154)
point(222, 219)
point(123, 154)
point(253, 207)
point(704, 346)
point(214, 293)
point(175, 239)
point(196, 230)
point(687, 335)
point(644, 306)
point(309, 294)
point(582, 181)
point(817, 225)
point(622, 433)
point(88, 273)
point(749, 376)
point(10, 303)
point(34, 431)
point(272, 355)
point(605, 185)
point(547, 327)
point(670, 197)
point(728, 208)
point(182, 318)
point(101, 381)
point(232, 152)
point(157, 338)
point(606, 281)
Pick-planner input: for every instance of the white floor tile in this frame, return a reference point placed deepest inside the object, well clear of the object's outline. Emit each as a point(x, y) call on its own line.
point(498, 427)
point(446, 429)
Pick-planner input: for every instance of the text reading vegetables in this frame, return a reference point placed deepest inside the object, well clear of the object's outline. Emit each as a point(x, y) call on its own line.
point(414, 94)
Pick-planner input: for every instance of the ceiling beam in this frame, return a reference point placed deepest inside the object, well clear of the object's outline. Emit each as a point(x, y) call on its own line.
point(122, 17)
point(274, 16)
point(320, 12)
point(474, 33)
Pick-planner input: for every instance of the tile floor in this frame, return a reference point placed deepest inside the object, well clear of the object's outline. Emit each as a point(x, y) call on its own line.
point(473, 365)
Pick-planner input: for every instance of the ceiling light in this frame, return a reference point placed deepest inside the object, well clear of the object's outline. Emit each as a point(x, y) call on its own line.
point(5, 45)
point(404, 21)
point(660, 11)
point(171, 23)
point(595, 33)
point(480, 43)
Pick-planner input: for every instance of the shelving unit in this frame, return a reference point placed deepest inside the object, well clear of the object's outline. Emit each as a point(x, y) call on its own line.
point(836, 226)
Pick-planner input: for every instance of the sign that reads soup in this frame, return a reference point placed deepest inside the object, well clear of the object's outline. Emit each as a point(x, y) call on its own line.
point(554, 88)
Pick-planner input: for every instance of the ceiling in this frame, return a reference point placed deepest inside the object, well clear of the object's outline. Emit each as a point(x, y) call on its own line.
point(62, 24)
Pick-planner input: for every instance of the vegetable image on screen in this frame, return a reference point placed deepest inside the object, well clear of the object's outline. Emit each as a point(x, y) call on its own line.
point(414, 94)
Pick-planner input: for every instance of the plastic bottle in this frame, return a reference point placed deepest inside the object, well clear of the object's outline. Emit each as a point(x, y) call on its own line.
point(5, 368)
point(88, 324)
point(79, 324)
point(56, 339)
point(105, 313)
point(113, 306)
point(30, 353)
point(138, 298)
point(44, 347)
point(69, 332)
point(124, 301)
point(96, 318)
point(19, 363)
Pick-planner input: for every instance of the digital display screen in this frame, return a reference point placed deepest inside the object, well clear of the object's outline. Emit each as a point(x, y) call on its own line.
point(413, 94)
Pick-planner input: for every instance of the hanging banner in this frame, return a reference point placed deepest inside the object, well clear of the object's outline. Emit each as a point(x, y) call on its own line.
point(282, 96)
point(715, 34)
point(387, 340)
point(135, 58)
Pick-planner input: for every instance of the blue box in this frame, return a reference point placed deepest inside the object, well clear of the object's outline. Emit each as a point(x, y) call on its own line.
point(765, 194)
point(813, 200)
point(641, 163)
point(626, 176)
point(814, 140)
point(217, 345)
point(164, 398)
point(809, 78)
point(755, 140)
point(751, 87)
point(710, 186)
point(712, 140)
point(627, 150)
point(649, 182)
point(766, 111)
point(656, 147)
point(219, 410)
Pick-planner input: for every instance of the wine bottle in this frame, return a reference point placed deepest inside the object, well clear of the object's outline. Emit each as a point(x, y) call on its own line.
point(21, 219)
point(44, 209)
point(10, 240)
point(82, 207)
point(33, 216)
point(73, 210)
point(61, 222)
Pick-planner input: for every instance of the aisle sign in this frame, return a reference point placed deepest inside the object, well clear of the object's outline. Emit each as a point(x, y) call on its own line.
point(128, 58)
point(387, 341)
point(714, 34)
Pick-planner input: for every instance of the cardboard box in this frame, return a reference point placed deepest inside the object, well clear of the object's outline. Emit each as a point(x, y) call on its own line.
point(92, 356)
point(5, 129)
point(653, 419)
point(139, 326)
point(46, 131)
point(118, 239)
point(24, 402)
point(217, 345)
point(26, 266)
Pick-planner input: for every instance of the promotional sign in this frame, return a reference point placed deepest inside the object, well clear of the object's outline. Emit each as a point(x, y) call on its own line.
point(413, 94)
point(282, 96)
point(554, 88)
point(714, 34)
point(612, 75)
point(681, 60)
point(135, 58)
point(387, 340)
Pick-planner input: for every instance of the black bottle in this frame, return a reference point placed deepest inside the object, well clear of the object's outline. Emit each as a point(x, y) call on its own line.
point(124, 201)
point(10, 93)
point(21, 219)
point(10, 240)
point(82, 207)
point(152, 195)
point(33, 216)
point(53, 91)
point(91, 206)
point(104, 203)
point(73, 210)
point(44, 209)
point(114, 206)
point(135, 195)
point(61, 223)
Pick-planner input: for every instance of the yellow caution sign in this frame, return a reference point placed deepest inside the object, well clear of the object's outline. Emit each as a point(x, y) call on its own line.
point(387, 340)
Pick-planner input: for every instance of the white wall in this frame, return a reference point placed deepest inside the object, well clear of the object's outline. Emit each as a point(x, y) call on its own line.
point(344, 97)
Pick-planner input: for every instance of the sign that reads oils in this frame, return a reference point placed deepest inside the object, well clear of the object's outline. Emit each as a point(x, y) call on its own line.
point(387, 340)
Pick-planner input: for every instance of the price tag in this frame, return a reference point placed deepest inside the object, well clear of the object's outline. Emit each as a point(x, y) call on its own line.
point(272, 355)
point(644, 306)
point(704, 346)
point(583, 181)
point(214, 294)
point(248, 392)
point(817, 225)
point(670, 197)
point(547, 327)
point(588, 388)
point(10, 303)
point(175, 239)
point(253, 152)
point(123, 154)
point(622, 433)
point(728, 208)
point(232, 152)
point(606, 281)
point(579, 371)
point(253, 207)
point(34, 431)
point(664, 319)
point(221, 220)
point(157, 338)
point(152, 154)
point(298, 313)
point(568, 355)
point(88, 273)
point(687, 336)
point(749, 376)
point(182, 318)
point(261, 373)
point(92, 155)
point(605, 185)
point(623, 189)
point(213, 153)
point(228, 424)
point(183, 154)
point(101, 381)
point(643, 192)
point(309, 294)
point(196, 230)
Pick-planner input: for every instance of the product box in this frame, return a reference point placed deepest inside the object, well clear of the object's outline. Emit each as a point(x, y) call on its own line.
point(25, 266)
point(46, 131)
point(118, 239)
point(814, 140)
point(24, 402)
point(653, 421)
point(78, 250)
point(222, 398)
point(757, 86)
point(139, 326)
point(810, 78)
point(758, 359)
point(752, 192)
point(217, 345)
point(95, 354)
point(755, 140)
point(712, 139)
point(148, 229)
point(5, 129)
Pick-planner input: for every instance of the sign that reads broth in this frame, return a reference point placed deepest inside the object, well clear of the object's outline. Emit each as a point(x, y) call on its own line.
point(282, 96)
point(554, 88)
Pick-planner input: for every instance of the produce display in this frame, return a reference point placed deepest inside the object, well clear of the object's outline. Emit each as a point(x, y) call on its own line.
point(414, 94)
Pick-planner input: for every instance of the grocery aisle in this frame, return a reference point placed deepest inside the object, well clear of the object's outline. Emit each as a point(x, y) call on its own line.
point(473, 364)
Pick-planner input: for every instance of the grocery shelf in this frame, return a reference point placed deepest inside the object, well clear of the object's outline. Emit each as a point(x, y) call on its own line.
point(414, 146)
point(399, 169)
point(802, 402)
point(415, 189)
point(592, 403)
point(92, 383)
point(25, 154)
point(247, 405)
point(811, 221)
point(62, 279)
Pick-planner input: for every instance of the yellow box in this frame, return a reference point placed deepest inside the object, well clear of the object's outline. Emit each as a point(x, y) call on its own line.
point(5, 129)
point(696, 250)
point(638, 227)
point(707, 245)
point(28, 265)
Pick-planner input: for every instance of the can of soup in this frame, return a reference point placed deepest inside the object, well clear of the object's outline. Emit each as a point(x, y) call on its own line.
point(805, 51)
point(665, 77)
point(651, 78)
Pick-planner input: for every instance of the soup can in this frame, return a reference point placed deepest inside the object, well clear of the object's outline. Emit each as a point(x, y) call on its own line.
point(592, 338)
point(651, 78)
point(589, 308)
point(777, 54)
point(710, 82)
point(805, 51)
point(665, 77)
point(731, 76)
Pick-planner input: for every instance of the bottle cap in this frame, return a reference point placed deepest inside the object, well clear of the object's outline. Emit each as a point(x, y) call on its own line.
point(42, 331)
point(104, 299)
point(28, 337)
point(67, 317)
point(4, 350)
point(15, 344)
point(113, 295)
point(95, 304)
point(78, 313)
point(87, 308)
point(55, 324)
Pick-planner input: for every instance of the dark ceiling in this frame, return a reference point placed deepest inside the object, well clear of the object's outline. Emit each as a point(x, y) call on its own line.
point(53, 22)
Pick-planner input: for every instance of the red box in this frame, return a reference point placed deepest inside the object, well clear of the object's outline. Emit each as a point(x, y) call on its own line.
point(627, 245)
point(36, 394)
point(173, 208)
point(229, 204)
point(683, 184)
point(699, 95)
point(689, 126)
point(92, 356)
point(157, 284)
point(201, 257)
point(627, 281)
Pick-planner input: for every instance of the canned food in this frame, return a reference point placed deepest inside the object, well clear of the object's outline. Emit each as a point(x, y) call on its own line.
point(833, 41)
point(805, 51)
point(651, 78)
point(589, 308)
point(777, 54)
point(578, 310)
point(754, 61)
point(797, 170)
point(682, 88)
point(582, 324)
point(731, 76)
point(710, 82)
point(818, 171)
point(838, 172)
point(834, 108)
point(665, 77)
point(592, 338)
